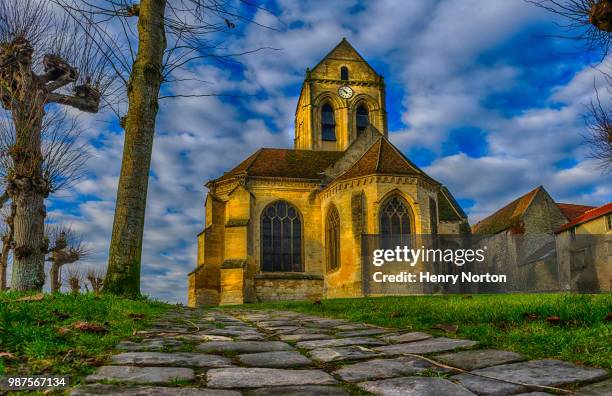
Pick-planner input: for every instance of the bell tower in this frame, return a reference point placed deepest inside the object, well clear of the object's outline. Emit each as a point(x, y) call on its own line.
point(340, 97)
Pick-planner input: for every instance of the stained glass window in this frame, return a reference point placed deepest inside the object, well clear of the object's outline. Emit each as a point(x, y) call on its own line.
point(281, 238)
point(332, 238)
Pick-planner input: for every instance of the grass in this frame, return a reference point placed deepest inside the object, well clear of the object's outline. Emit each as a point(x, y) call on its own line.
point(30, 330)
point(515, 322)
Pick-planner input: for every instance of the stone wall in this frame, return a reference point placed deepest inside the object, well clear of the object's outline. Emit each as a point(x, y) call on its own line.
point(286, 287)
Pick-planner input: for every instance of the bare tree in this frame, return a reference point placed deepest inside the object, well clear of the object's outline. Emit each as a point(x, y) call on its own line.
point(95, 276)
point(161, 38)
point(74, 279)
point(588, 22)
point(45, 61)
point(66, 247)
point(599, 131)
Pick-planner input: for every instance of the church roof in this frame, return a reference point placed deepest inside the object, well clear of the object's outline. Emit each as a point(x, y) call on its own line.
point(271, 162)
point(448, 208)
point(346, 52)
point(508, 216)
point(382, 158)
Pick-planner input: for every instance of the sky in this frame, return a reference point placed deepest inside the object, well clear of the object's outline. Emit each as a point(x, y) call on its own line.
point(479, 95)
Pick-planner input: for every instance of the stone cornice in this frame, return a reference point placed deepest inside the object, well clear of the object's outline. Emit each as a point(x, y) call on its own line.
point(336, 186)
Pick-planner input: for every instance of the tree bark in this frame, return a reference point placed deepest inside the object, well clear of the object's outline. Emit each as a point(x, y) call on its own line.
point(55, 277)
point(123, 275)
point(28, 190)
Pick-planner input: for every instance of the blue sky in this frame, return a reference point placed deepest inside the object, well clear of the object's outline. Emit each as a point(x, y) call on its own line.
point(477, 95)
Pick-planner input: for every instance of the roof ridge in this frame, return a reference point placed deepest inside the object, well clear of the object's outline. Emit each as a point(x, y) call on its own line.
point(410, 163)
point(367, 150)
point(344, 40)
point(377, 168)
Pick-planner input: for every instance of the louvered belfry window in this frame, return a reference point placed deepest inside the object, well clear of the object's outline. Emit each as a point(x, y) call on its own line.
point(363, 119)
point(332, 239)
point(395, 217)
point(328, 123)
point(281, 238)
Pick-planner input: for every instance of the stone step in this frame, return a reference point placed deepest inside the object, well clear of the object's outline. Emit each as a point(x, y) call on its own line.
point(226, 378)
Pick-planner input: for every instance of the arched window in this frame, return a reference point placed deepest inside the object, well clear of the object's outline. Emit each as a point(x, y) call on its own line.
point(363, 119)
point(332, 239)
point(328, 123)
point(344, 74)
point(281, 238)
point(433, 216)
point(395, 217)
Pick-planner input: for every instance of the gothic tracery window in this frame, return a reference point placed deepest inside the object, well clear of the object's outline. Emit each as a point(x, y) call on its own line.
point(394, 217)
point(363, 119)
point(328, 123)
point(281, 238)
point(332, 239)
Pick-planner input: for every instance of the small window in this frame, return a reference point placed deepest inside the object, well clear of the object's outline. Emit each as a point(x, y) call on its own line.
point(332, 239)
point(433, 213)
point(363, 119)
point(328, 123)
point(573, 233)
point(344, 74)
point(609, 222)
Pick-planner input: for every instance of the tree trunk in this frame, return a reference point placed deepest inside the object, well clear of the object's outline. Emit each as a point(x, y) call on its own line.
point(123, 275)
point(55, 279)
point(28, 190)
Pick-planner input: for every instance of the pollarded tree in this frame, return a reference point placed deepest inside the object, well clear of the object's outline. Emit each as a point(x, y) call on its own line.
point(65, 247)
point(46, 61)
point(161, 37)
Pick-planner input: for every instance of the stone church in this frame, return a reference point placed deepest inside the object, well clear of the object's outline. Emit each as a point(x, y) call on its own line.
point(286, 224)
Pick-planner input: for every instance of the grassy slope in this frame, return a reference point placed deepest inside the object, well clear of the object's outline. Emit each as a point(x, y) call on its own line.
point(497, 321)
point(29, 330)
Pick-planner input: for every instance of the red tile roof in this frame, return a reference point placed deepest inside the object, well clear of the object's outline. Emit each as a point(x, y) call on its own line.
point(506, 217)
point(301, 164)
point(587, 216)
point(572, 211)
point(381, 158)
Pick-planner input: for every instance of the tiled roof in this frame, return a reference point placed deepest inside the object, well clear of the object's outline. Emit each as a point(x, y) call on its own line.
point(448, 208)
point(382, 158)
point(507, 216)
point(587, 216)
point(268, 162)
point(572, 211)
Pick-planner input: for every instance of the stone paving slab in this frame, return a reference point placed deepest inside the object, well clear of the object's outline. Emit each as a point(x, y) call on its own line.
point(548, 372)
point(415, 386)
point(101, 389)
point(405, 337)
point(362, 333)
point(244, 346)
point(141, 375)
point(176, 359)
point(225, 378)
point(281, 359)
point(306, 390)
point(148, 344)
point(486, 386)
point(353, 352)
point(338, 342)
point(603, 388)
point(472, 360)
point(427, 346)
point(304, 337)
point(383, 368)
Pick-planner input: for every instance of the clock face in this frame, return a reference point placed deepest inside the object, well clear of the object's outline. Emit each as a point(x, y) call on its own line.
point(345, 91)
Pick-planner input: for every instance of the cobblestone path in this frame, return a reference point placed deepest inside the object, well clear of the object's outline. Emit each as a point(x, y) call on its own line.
point(252, 352)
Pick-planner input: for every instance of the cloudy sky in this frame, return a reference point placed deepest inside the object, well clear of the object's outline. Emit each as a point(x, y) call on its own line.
point(478, 95)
